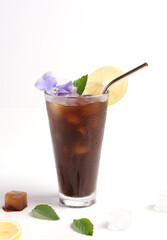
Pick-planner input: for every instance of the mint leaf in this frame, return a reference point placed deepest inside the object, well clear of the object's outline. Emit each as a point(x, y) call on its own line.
point(45, 212)
point(83, 226)
point(80, 84)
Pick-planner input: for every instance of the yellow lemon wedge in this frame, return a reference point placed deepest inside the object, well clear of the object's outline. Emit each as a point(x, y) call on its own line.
point(101, 77)
point(9, 230)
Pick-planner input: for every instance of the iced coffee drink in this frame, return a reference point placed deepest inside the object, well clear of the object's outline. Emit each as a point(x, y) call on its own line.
point(77, 127)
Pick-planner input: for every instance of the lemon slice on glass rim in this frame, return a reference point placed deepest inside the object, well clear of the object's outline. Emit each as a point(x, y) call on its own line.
point(9, 230)
point(101, 77)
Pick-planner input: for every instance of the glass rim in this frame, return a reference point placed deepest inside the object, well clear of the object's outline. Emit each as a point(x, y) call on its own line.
point(80, 96)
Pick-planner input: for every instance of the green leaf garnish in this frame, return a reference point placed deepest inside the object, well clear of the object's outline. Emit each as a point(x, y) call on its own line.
point(83, 226)
point(45, 212)
point(80, 84)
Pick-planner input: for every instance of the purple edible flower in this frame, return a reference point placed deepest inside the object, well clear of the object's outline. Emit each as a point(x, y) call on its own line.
point(48, 82)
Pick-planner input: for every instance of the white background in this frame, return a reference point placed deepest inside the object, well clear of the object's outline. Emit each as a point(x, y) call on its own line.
point(74, 38)
point(77, 37)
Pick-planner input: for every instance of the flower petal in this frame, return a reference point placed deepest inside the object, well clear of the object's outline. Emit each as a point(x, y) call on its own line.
point(46, 82)
point(66, 89)
point(41, 84)
point(67, 86)
point(49, 82)
point(62, 92)
point(50, 79)
point(74, 94)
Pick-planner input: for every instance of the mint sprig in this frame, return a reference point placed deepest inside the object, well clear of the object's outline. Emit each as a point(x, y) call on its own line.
point(45, 212)
point(83, 226)
point(80, 84)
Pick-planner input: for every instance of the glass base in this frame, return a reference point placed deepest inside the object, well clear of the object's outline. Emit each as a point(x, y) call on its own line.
point(77, 202)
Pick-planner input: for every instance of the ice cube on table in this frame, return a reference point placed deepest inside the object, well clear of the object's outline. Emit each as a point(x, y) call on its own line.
point(15, 200)
point(119, 219)
point(161, 202)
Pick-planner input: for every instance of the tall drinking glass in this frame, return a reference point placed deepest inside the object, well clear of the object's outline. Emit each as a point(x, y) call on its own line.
point(77, 127)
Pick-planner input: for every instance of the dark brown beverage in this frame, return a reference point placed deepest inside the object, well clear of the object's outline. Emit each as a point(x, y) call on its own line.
point(77, 127)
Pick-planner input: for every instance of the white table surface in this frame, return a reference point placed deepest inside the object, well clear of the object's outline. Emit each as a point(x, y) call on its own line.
point(132, 172)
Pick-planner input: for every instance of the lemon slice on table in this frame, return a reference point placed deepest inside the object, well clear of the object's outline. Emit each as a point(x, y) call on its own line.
point(9, 230)
point(101, 77)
